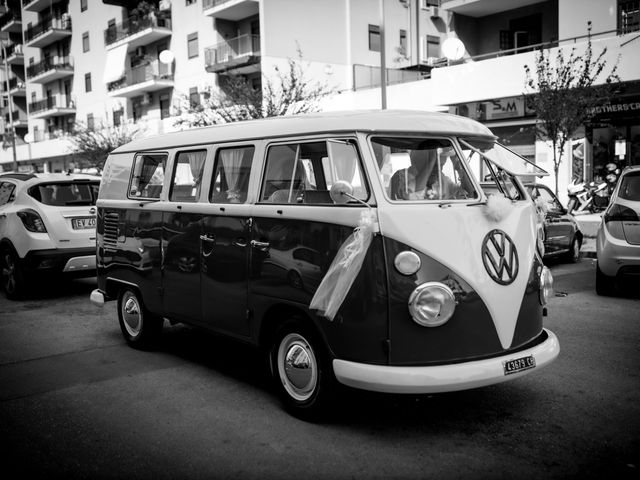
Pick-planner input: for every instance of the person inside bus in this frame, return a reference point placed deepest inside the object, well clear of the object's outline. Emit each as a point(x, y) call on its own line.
point(423, 179)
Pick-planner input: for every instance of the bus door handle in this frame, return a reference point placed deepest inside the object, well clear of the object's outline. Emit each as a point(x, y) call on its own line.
point(210, 239)
point(262, 246)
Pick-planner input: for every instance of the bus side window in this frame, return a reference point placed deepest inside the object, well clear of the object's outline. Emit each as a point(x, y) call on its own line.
point(187, 176)
point(148, 176)
point(231, 175)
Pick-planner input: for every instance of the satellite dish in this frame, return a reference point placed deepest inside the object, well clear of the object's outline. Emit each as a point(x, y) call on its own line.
point(167, 57)
point(453, 48)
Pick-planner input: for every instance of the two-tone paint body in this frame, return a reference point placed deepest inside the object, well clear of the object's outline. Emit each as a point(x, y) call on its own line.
point(202, 263)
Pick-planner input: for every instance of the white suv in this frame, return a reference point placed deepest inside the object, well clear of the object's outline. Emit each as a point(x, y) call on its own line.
point(47, 225)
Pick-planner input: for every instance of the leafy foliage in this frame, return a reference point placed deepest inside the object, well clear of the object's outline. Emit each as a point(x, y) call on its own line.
point(564, 94)
point(287, 92)
point(93, 145)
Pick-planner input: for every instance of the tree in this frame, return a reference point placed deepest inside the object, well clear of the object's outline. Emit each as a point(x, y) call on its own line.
point(93, 145)
point(564, 95)
point(287, 92)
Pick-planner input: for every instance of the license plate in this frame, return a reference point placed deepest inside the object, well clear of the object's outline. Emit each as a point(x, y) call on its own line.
point(518, 364)
point(83, 223)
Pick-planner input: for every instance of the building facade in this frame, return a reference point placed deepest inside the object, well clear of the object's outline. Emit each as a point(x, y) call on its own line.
point(127, 62)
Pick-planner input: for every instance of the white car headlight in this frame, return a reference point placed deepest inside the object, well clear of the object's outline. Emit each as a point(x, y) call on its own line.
point(432, 304)
point(546, 285)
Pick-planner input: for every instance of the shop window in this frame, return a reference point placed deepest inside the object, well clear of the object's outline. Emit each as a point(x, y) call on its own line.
point(374, 38)
point(187, 177)
point(628, 16)
point(231, 174)
point(148, 176)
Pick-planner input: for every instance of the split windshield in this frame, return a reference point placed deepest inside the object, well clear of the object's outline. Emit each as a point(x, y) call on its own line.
point(421, 169)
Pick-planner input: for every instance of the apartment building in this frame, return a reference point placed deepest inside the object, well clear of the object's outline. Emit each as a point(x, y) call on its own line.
point(111, 62)
point(124, 61)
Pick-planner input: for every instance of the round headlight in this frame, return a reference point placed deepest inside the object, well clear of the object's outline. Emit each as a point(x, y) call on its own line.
point(546, 285)
point(407, 263)
point(432, 304)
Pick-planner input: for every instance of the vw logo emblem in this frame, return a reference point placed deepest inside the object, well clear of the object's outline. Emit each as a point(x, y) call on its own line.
point(500, 257)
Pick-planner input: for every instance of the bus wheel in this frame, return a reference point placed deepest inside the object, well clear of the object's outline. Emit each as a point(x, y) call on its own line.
point(301, 372)
point(140, 328)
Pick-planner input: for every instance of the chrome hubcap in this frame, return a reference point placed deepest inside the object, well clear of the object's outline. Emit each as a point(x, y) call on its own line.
point(297, 367)
point(131, 314)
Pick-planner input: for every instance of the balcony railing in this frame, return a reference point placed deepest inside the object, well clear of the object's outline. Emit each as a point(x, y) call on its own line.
point(213, 3)
point(48, 64)
point(365, 76)
point(54, 23)
point(233, 52)
point(50, 103)
point(13, 49)
point(15, 82)
point(144, 73)
point(16, 116)
point(133, 25)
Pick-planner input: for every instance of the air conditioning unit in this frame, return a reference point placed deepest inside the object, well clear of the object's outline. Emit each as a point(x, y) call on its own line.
point(435, 12)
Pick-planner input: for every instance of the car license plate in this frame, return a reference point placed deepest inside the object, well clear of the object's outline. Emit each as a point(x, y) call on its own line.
point(83, 223)
point(518, 364)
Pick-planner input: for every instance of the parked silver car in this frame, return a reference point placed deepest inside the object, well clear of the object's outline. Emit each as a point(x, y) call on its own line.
point(618, 239)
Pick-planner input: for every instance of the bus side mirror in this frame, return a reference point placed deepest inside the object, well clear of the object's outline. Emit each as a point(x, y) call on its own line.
point(341, 192)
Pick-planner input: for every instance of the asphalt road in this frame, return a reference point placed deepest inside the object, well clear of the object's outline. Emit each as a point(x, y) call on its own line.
point(76, 402)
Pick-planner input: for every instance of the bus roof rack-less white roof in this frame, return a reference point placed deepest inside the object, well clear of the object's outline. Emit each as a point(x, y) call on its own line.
point(317, 123)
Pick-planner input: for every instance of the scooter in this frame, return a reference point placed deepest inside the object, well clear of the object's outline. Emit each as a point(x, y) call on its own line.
point(583, 198)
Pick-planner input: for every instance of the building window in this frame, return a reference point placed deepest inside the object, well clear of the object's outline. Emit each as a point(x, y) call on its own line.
point(430, 48)
point(628, 16)
point(90, 123)
point(87, 82)
point(403, 43)
point(83, 5)
point(189, 2)
point(165, 106)
point(192, 45)
point(374, 38)
point(117, 117)
point(85, 42)
point(194, 97)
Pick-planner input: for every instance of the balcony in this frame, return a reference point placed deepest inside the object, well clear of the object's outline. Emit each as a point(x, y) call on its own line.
point(142, 79)
point(482, 8)
point(35, 5)
point(137, 32)
point(11, 22)
point(19, 119)
point(50, 69)
point(230, 9)
point(47, 32)
point(51, 107)
point(240, 55)
point(17, 87)
point(14, 54)
point(365, 76)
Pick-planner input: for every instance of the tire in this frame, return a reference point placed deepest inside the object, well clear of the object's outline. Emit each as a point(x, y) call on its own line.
point(140, 328)
point(605, 285)
point(301, 371)
point(14, 279)
point(573, 255)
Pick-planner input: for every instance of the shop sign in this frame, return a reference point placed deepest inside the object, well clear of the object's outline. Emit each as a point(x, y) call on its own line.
point(496, 109)
point(620, 108)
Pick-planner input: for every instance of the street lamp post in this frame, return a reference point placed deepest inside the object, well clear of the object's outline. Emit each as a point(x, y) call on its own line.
point(383, 67)
point(10, 104)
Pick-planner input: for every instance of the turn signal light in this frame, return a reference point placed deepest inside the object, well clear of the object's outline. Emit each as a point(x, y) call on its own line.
point(32, 221)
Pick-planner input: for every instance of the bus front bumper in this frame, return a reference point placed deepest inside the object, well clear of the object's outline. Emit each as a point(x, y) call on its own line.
point(445, 378)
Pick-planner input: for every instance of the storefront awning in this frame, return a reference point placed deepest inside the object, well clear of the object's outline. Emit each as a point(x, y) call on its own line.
point(114, 64)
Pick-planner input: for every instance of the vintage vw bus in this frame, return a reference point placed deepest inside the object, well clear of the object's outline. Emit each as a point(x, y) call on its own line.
point(356, 248)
